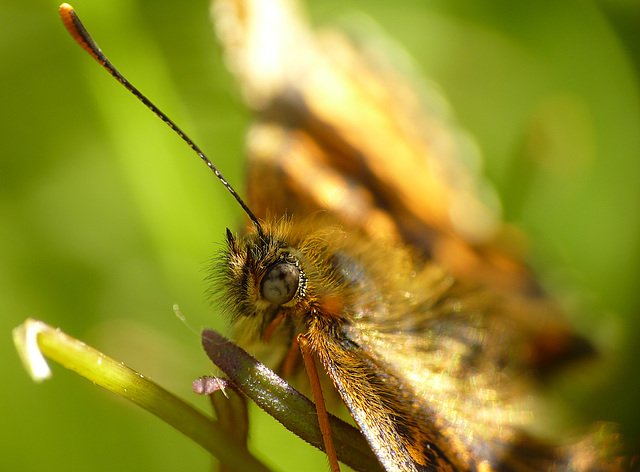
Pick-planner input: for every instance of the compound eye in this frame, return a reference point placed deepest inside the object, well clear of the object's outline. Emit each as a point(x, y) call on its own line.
point(280, 283)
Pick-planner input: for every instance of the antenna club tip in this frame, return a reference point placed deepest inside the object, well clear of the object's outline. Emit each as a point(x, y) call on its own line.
point(65, 9)
point(66, 14)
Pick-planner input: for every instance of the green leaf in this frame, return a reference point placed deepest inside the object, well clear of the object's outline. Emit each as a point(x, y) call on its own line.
point(295, 411)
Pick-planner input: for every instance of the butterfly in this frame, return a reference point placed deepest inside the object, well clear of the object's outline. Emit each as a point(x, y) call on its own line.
point(383, 251)
point(373, 251)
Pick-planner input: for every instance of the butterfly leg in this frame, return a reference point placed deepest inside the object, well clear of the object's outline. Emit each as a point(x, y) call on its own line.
point(291, 359)
point(323, 417)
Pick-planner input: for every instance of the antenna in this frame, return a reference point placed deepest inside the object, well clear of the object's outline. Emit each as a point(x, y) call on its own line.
point(75, 27)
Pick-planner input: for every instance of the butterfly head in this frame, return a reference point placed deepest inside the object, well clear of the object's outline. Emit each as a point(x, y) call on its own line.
point(262, 275)
point(289, 269)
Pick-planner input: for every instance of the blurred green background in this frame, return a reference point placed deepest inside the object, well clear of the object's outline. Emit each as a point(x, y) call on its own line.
point(107, 219)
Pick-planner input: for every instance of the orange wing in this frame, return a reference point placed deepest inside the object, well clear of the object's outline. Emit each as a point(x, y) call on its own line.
point(341, 132)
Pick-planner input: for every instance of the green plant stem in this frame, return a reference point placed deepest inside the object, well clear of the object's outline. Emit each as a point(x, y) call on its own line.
point(34, 338)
